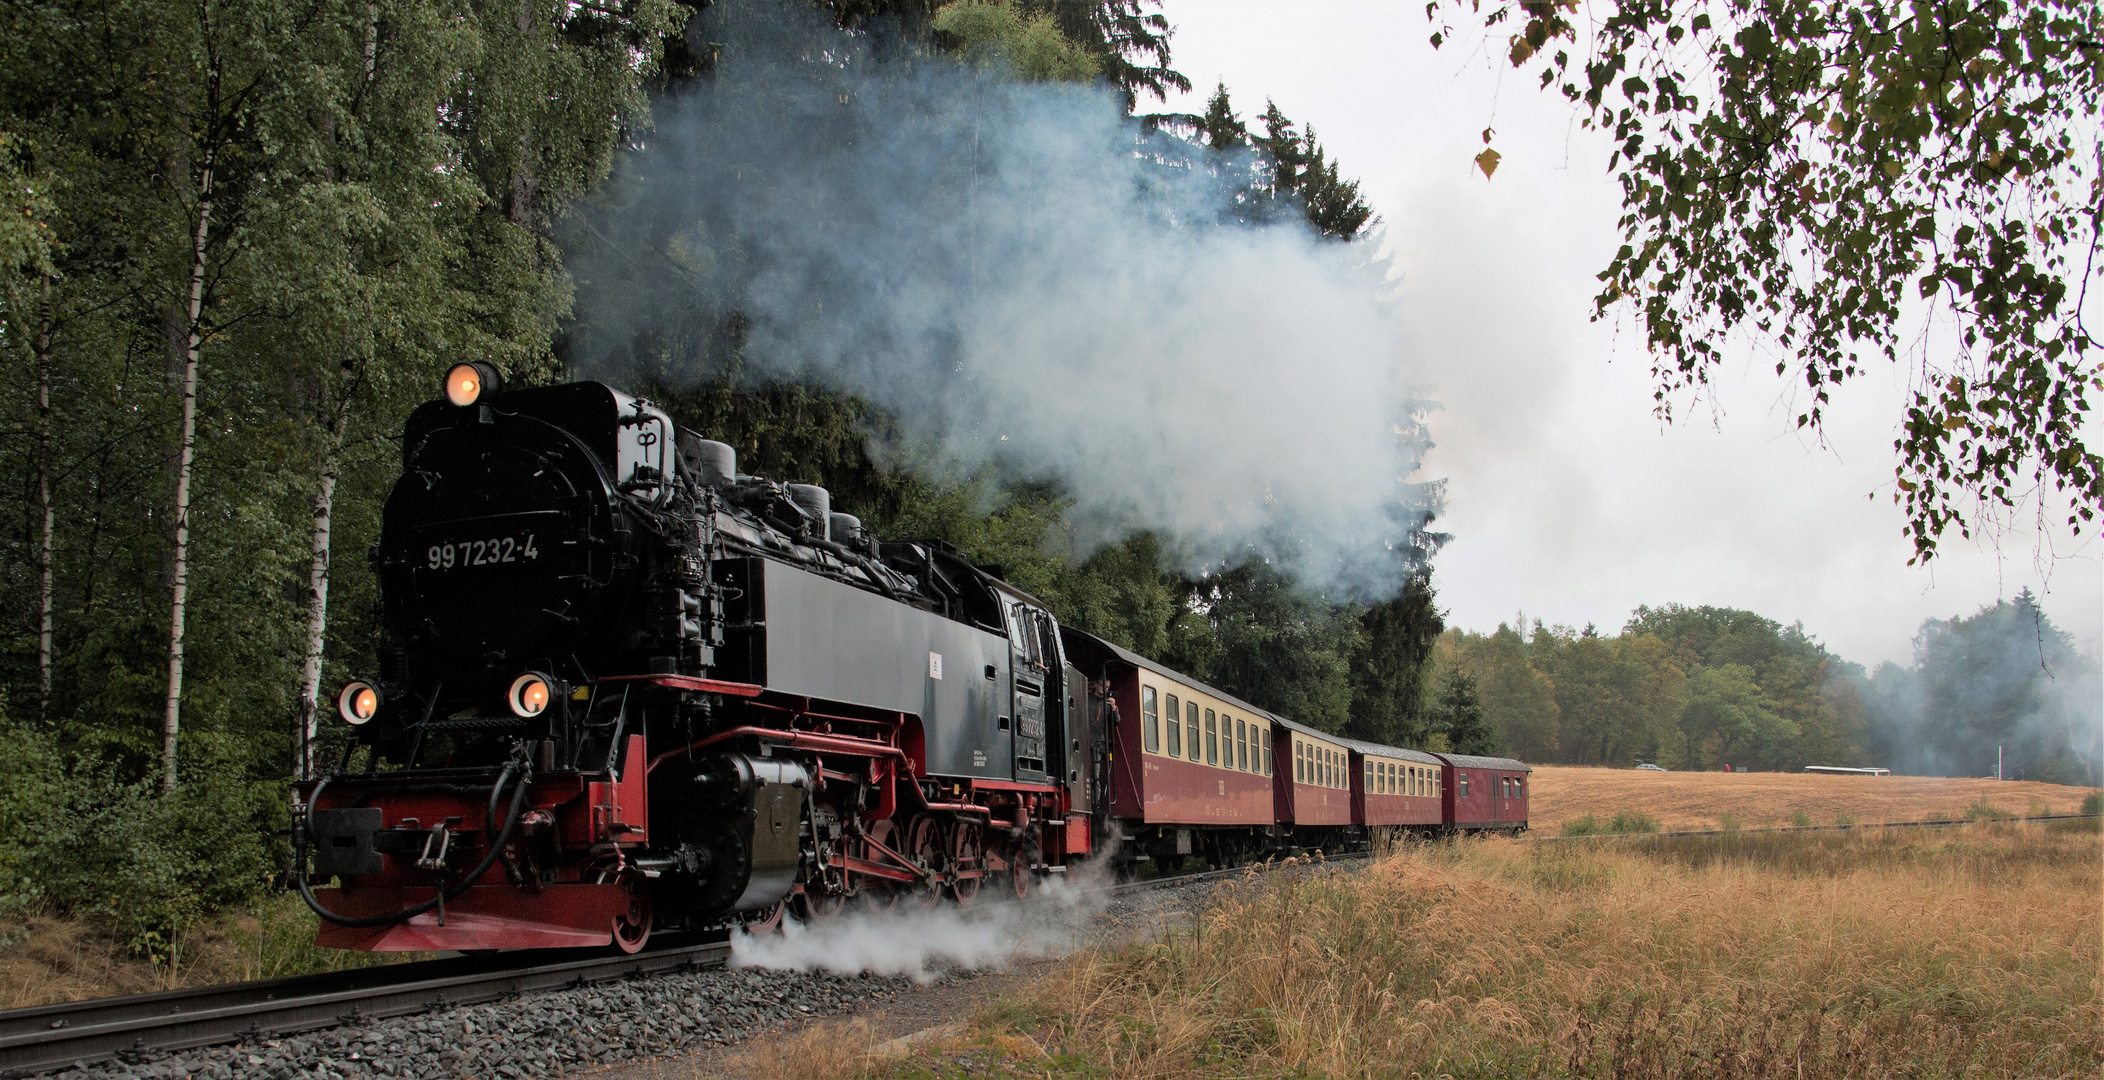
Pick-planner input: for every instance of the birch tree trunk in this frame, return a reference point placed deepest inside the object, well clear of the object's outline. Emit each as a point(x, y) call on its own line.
point(45, 557)
point(171, 720)
point(318, 590)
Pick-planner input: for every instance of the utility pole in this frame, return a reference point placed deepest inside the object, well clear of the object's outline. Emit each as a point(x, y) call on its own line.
point(1998, 762)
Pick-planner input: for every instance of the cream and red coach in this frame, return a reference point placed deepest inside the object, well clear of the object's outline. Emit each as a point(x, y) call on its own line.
point(1396, 788)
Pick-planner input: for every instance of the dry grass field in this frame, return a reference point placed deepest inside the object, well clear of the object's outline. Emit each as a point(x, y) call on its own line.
point(1699, 800)
point(1968, 951)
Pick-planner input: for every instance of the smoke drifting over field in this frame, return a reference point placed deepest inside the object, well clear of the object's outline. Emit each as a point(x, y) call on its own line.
point(1009, 271)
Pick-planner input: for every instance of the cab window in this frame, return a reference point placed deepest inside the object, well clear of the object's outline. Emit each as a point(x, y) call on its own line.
point(1150, 720)
point(1175, 727)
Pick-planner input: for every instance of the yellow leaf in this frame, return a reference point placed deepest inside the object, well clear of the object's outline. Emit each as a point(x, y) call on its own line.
point(1488, 161)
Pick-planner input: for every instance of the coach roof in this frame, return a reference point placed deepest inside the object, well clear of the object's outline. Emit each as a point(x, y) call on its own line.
point(1382, 750)
point(1471, 761)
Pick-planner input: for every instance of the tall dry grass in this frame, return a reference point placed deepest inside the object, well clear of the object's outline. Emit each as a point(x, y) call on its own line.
point(1972, 951)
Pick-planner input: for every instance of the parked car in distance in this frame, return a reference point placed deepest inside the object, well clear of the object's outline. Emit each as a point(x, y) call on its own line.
point(1648, 767)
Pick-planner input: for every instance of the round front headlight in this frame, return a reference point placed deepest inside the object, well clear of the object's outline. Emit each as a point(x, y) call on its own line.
point(359, 702)
point(472, 382)
point(530, 694)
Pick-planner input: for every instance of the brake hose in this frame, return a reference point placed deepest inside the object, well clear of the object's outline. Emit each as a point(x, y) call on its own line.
point(444, 893)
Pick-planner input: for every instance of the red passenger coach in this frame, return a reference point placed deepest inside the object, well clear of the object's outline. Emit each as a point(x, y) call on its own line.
point(1190, 769)
point(1315, 772)
point(1396, 787)
point(1485, 792)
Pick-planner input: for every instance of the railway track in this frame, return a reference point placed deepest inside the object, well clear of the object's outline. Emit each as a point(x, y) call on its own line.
point(49, 1037)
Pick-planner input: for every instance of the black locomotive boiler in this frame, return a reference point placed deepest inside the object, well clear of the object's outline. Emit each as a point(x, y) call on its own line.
point(624, 686)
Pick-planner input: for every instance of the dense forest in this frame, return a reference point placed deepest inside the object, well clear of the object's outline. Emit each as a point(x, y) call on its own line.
point(1706, 687)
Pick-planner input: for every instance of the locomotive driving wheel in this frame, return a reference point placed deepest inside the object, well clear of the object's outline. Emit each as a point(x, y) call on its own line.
point(819, 907)
point(967, 856)
point(632, 927)
point(924, 845)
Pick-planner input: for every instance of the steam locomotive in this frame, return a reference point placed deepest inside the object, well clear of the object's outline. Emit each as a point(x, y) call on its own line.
point(624, 687)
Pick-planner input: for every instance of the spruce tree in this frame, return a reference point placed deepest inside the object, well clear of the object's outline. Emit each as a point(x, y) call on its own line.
point(1461, 717)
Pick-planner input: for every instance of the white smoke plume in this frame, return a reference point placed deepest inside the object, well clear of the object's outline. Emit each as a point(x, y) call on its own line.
point(923, 942)
point(1021, 276)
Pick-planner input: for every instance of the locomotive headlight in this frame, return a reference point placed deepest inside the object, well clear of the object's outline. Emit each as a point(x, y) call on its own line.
point(472, 382)
point(530, 694)
point(359, 702)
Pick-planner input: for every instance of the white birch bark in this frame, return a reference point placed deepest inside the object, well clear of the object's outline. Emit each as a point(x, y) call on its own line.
point(318, 592)
point(171, 719)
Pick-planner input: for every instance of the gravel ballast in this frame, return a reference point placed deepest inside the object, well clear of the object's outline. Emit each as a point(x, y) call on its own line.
point(558, 1033)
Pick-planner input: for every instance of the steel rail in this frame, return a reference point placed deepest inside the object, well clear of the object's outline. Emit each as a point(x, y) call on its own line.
point(48, 1037)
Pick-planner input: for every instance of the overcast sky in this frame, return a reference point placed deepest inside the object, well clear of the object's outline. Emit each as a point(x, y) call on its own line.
point(1566, 498)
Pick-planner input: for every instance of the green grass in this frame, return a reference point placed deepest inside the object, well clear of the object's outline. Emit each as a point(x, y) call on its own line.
point(1625, 821)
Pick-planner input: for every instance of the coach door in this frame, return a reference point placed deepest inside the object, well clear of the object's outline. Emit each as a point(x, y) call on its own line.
point(1034, 657)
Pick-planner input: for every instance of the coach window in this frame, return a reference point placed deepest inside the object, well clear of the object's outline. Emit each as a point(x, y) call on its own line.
point(1517, 791)
point(1175, 711)
point(1150, 720)
point(1191, 730)
point(1300, 774)
point(1212, 740)
point(1269, 768)
point(1242, 745)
